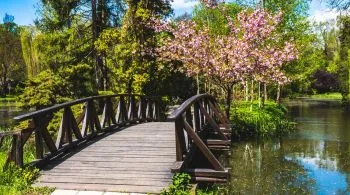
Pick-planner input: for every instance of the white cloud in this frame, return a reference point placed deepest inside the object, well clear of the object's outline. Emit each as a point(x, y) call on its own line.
point(323, 15)
point(183, 4)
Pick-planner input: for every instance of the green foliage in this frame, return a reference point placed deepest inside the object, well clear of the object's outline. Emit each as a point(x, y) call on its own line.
point(15, 180)
point(251, 121)
point(214, 18)
point(49, 88)
point(180, 185)
point(29, 50)
point(12, 70)
point(43, 90)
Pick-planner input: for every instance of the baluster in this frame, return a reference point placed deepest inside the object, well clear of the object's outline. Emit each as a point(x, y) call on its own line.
point(96, 121)
point(38, 143)
point(107, 115)
point(91, 120)
point(86, 120)
point(196, 116)
point(218, 113)
point(180, 139)
point(154, 111)
point(19, 149)
point(16, 153)
point(43, 135)
point(189, 116)
point(141, 110)
point(149, 109)
point(121, 115)
point(202, 119)
point(132, 113)
point(212, 123)
point(203, 148)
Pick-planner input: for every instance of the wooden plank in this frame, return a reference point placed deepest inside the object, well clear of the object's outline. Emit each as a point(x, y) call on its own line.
point(105, 180)
point(99, 169)
point(118, 159)
point(110, 174)
point(200, 172)
point(105, 187)
point(140, 159)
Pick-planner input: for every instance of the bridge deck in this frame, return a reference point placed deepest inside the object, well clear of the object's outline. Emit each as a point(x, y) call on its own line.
point(136, 159)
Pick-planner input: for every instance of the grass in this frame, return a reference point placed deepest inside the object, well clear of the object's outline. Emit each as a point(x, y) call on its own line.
point(16, 180)
point(327, 96)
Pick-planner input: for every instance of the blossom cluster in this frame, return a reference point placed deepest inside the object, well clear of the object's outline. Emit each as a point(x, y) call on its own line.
point(250, 51)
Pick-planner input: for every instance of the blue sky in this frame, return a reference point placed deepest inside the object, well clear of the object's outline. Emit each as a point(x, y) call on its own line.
point(25, 10)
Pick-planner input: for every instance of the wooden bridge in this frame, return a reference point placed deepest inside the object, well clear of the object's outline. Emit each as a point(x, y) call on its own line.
point(116, 143)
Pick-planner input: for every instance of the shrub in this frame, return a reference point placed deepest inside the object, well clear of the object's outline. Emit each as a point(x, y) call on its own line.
point(251, 121)
point(180, 185)
point(16, 180)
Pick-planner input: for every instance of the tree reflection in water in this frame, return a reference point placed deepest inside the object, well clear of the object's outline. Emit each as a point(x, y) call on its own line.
point(313, 160)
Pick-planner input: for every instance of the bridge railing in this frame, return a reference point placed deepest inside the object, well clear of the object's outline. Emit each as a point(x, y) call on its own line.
point(201, 128)
point(80, 120)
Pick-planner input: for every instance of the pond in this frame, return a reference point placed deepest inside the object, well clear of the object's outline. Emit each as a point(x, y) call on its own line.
point(8, 110)
point(313, 160)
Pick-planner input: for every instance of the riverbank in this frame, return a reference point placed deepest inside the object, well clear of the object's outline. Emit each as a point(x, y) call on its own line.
point(321, 97)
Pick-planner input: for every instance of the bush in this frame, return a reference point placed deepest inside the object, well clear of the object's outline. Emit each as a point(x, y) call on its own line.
point(16, 180)
point(251, 121)
point(180, 185)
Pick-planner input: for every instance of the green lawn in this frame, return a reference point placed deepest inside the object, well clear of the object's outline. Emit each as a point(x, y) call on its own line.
point(327, 96)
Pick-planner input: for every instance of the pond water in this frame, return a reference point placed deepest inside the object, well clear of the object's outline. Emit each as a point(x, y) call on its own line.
point(8, 110)
point(313, 160)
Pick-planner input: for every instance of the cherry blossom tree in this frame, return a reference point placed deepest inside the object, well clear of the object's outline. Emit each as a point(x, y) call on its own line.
point(250, 51)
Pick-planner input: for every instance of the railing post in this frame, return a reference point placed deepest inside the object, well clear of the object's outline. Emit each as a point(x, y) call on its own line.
point(132, 115)
point(180, 139)
point(196, 117)
point(38, 141)
point(19, 149)
point(141, 109)
point(149, 109)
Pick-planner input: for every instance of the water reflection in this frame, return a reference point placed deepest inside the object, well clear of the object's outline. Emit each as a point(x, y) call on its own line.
point(8, 110)
point(313, 160)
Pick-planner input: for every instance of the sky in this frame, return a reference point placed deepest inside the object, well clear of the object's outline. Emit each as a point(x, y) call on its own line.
point(25, 10)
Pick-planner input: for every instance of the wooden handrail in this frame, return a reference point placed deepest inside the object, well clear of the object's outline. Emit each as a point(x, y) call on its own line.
point(199, 126)
point(188, 103)
point(70, 103)
point(131, 108)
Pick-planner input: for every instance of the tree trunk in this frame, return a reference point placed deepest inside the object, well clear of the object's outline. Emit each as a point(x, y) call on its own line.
point(246, 86)
point(259, 94)
point(278, 94)
point(251, 95)
point(4, 82)
point(265, 95)
point(197, 79)
point(265, 92)
point(97, 15)
point(228, 101)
